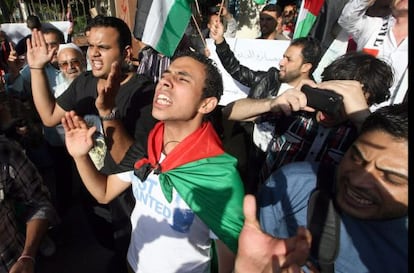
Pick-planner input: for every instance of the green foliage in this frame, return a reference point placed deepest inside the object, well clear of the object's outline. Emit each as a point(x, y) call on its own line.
point(6, 7)
point(80, 25)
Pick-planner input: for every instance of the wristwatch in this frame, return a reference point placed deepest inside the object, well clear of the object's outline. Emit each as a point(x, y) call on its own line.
point(111, 116)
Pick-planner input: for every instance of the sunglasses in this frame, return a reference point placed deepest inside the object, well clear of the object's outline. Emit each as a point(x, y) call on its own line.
point(65, 65)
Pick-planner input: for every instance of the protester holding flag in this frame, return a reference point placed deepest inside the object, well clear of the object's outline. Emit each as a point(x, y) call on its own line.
point(187, 190)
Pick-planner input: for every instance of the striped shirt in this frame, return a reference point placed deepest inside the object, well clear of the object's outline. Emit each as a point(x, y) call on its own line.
point(300, 137)
point(21, 191)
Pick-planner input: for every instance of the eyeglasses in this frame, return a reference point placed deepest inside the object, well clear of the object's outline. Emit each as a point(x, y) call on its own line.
point(64, 65)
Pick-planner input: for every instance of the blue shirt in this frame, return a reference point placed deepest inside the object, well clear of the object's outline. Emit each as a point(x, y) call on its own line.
point(365, 245)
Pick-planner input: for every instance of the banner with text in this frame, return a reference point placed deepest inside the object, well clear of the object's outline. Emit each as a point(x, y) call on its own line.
point(255, 54)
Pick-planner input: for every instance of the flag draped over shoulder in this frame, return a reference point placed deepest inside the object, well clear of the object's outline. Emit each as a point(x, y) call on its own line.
point(162, 23)
point(205, 177)
point(307, 16)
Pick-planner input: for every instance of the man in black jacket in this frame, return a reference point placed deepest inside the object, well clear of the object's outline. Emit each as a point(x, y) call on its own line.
point(298, 63)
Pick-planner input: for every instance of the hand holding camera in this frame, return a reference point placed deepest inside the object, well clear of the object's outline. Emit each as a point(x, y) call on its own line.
point(323, 100)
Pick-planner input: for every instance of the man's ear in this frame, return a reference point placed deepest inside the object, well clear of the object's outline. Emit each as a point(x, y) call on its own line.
point(306, 67)
point(127, 54)
point(208, 105)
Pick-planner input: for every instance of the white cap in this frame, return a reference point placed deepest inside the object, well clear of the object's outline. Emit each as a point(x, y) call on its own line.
point(69, 45)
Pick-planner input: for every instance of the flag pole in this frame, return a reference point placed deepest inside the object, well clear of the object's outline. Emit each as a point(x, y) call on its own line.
point(221, 8)
point(199, 31)
point(198, 7)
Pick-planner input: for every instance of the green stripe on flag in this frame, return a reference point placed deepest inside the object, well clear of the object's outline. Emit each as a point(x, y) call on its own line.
point(303, 28)
point(174, 28)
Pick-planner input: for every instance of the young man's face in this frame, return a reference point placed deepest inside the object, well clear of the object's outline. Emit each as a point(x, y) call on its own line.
point(291, 64)
point(178, 92)
point(52, 42)
point(372, 180)
point(289, 13)
point(103, 50)
point(71, 63)
point(268, 22)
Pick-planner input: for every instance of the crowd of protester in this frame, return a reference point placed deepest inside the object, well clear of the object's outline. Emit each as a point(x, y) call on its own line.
point(142, 138)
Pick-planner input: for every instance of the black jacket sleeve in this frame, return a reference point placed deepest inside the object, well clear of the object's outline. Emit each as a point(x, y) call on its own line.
point(262, 83)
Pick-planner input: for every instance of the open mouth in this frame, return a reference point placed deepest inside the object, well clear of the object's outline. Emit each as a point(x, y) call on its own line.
point(163, 100)
point(357, 199)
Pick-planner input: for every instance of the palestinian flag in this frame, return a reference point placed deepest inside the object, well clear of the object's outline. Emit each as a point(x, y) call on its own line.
point(308, 13)
point(162, 23)
point(205, 177)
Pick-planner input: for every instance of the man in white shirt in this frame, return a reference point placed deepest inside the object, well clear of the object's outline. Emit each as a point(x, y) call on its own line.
point(384, 37)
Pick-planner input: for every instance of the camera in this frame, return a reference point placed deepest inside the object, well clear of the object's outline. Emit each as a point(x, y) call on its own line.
point(324, 100)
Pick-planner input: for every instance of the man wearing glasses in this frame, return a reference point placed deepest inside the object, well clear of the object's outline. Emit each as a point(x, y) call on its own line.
point(20, 80)
point(72, 63)
point(109, 52)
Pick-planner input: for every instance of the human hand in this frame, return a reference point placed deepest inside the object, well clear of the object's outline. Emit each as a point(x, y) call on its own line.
point(223, 11)
point(292, 100)
point(207, 52)
point(217, 30)
point(354, 98)
point(108, 90)
point(38, 54)
point(259, 252)
point(13, 57)
point(23, 266)
point(14, 61)
point(78, 137)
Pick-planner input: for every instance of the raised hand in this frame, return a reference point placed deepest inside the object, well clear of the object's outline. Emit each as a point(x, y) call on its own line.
point(260, 252)
point(38, 54)
point(217, 30)
point(352, 92)
point(13, 61)
point(354, 98)
point(108, 90)
point(78, 137)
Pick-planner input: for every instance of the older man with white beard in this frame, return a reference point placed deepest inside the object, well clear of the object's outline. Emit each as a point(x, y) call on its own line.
point(72, 63)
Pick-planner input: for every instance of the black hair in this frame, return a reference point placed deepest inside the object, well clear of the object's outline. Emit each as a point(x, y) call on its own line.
point(125, 37)
point(33, 21)
point(57, 32)
point(273, 7)
point(392, 119)
point(374, 74)
point(17, 113)
point(213, 85)
point(4, 50)
point(311, 50)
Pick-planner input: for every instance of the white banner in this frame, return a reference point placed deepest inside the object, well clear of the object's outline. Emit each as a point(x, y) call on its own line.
point(16, 31)
point(255, 54)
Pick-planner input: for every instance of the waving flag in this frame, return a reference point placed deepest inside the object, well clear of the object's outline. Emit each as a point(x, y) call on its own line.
point(308, 13)
point(162, 23)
